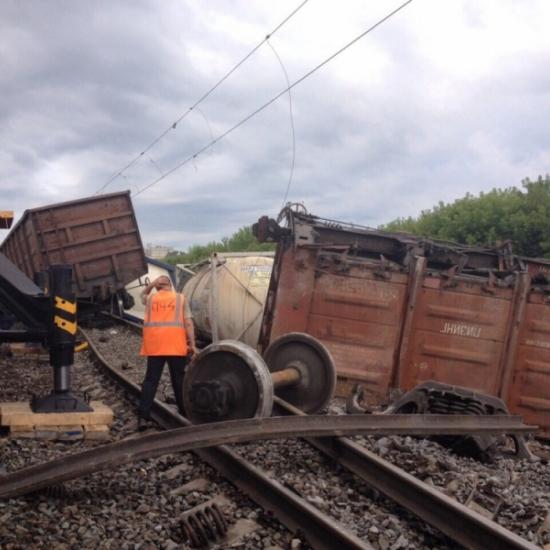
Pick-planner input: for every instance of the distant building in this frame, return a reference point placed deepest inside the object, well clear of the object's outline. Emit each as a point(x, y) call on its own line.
point(157, 251)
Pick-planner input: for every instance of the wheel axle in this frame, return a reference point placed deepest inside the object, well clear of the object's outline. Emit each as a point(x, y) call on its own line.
point(228, 380)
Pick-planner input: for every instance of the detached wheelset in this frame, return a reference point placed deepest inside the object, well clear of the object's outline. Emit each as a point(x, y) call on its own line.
point(229, 380)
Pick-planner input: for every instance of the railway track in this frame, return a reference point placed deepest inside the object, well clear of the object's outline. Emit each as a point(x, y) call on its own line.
point(455, 520)
point(136, 506)
point(294, 512)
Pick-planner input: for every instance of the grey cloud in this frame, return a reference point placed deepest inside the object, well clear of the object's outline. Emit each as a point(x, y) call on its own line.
point(86, 86)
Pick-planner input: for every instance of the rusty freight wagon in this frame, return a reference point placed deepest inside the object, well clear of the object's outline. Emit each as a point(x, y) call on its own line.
point(395, 310)
point(97, 235)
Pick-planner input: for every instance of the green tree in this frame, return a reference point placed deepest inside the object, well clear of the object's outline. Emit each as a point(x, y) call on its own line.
point(518, 215)
point(241, 241)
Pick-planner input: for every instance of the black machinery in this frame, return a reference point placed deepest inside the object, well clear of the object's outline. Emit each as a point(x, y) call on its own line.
point(49, 318)
point(433, 397)
point(229, 380)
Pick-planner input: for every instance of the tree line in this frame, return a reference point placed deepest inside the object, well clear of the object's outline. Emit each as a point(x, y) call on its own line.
point(520, 215)
point(241, 241)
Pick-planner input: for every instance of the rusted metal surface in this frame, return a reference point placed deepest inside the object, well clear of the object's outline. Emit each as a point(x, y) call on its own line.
point(203, 525)
point(351, 305)
point(455, 520)
point(457, 334)
point(529, 389)
point(437, 398)
point(6, 219)
point(395, 310)
point(537, 267)
point(97, 235)
point(229, 380)
point(304, 354)
point(287, 377)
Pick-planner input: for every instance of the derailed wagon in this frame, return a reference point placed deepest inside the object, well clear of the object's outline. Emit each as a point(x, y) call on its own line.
point(396, 310)
point(97, 235)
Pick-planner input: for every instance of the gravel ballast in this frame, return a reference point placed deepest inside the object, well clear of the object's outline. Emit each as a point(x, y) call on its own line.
point(132, 507)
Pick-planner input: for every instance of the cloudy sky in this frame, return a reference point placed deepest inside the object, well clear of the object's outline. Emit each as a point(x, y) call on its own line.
point(446, 97)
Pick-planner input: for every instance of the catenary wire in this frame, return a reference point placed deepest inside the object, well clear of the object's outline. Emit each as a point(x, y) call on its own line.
point(155, 165)
point(272, 100)
point(291, 114)
point(203, 97)
point(293, 160)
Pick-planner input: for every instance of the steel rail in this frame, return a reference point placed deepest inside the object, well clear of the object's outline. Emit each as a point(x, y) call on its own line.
point(455, 520)
point(198, 436)
point(452, 518)
point(295, 513)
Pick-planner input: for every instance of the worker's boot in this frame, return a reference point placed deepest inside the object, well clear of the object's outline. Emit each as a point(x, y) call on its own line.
point(143, 424)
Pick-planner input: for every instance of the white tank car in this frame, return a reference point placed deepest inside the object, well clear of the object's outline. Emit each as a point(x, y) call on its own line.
point(242, 280)
point(155, 268)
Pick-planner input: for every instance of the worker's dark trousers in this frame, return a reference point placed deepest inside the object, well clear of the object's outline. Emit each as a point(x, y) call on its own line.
point(155, 366)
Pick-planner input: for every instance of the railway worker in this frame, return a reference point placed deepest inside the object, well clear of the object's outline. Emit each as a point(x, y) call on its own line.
point(168, 337)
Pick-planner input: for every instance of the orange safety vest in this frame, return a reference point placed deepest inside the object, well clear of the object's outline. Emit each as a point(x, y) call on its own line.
point(163, 327)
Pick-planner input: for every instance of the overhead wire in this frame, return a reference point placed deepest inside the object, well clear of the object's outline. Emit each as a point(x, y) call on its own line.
point(203, 97)
point(154, 164)
point(275, 98)
point(207, 123)
point(292, 163)
point(292, 128)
